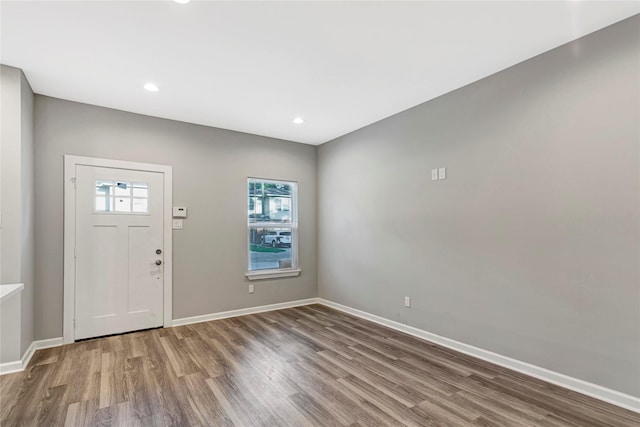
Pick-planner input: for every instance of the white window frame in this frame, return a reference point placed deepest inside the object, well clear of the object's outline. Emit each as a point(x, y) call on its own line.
point(294, 270)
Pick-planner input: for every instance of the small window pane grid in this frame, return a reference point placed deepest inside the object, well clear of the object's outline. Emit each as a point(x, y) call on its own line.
point(272, 221)
point(114, 197)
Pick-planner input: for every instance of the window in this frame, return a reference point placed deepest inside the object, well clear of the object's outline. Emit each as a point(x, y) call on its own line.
point(121, 197)
point(272, 221)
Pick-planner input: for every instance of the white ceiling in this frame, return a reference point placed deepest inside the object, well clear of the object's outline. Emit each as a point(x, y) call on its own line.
point(254, 66)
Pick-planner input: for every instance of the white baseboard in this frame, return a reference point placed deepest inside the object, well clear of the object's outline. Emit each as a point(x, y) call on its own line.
point(10, 367)
point(596, 391)
point(599, 392)
point(243, 311)
point(37, 345)
point(20, 365)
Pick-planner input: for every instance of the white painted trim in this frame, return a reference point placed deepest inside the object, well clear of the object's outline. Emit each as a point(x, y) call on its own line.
point(617, 398)
point(69, 270)
point(70, 163)
point(608, 395)
point(7, 291)
point(167, 320)
point(244, 311)
point(272, 274)
point(20, 365)
point(38, 345)
point(10, 367)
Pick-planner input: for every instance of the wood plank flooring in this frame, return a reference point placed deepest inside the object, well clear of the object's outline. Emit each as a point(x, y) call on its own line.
point(305, 366)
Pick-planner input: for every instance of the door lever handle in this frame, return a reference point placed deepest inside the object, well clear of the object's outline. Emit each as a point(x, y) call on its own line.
point(158, 262)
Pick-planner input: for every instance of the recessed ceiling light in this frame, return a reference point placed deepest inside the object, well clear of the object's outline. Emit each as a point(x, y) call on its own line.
point(151, 87)
point(298, 120)
point(182, 1)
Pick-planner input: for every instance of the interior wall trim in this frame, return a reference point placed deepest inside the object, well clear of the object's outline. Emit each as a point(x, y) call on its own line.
point(596, 391)
point(244, 311)
point(20, 365)
point(10, 367)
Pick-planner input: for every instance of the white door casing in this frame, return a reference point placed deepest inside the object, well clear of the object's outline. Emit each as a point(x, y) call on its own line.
point(112, 283)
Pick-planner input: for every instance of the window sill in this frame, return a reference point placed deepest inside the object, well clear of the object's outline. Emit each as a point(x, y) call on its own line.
point(273, 274)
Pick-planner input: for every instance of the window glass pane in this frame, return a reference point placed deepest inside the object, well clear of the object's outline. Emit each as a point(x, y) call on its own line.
point(255, 203)
point(104, 191)
point(140, 205)
point(258, 217)
point(123, 189)
point(270, 201)
point(115, 196)
point(123, 204)
point(103, 188)
point(140, 190)
point(269, 248)
point(276, 201)
point(104, 204)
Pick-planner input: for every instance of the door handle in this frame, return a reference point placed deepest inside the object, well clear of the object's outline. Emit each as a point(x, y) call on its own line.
point(158, 262)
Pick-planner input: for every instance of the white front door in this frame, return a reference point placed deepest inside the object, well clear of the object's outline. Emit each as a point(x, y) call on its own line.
point(118, 250)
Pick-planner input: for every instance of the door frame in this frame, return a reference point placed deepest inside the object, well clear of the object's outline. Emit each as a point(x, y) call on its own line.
point(70, 163)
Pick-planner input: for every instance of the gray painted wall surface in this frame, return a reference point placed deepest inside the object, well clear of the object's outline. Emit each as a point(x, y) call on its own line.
point(210, 168)
point(27, 260)
point(531, 246)
point(10, 152)
point(10, 334)
point(17, 256)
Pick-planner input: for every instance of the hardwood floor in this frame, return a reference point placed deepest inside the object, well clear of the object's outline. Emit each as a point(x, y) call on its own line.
point(306, 366)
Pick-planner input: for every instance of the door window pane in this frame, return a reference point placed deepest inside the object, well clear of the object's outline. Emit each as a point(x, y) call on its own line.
point(116, 197)
point(123, 189)
point(123, 204)
point(140, 190)
point(104, 204)
point(140, 205)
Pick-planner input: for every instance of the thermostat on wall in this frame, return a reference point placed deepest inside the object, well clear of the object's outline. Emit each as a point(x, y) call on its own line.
point(179, 212)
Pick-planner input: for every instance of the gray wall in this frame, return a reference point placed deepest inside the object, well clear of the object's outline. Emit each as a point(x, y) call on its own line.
point(531, 246)
point(27, 260)
point(10, 153)
point(17, 254)
point(210, 169)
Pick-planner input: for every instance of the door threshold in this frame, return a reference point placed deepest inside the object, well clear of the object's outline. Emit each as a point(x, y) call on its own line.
point(119, 334)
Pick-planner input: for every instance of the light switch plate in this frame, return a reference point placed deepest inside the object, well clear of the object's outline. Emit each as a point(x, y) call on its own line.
point(434, 174)
point(177, 224)
point(442, 173)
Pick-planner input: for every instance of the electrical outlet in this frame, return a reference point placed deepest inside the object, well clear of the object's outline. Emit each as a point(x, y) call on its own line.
point(407, 301)
point(251, 289)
